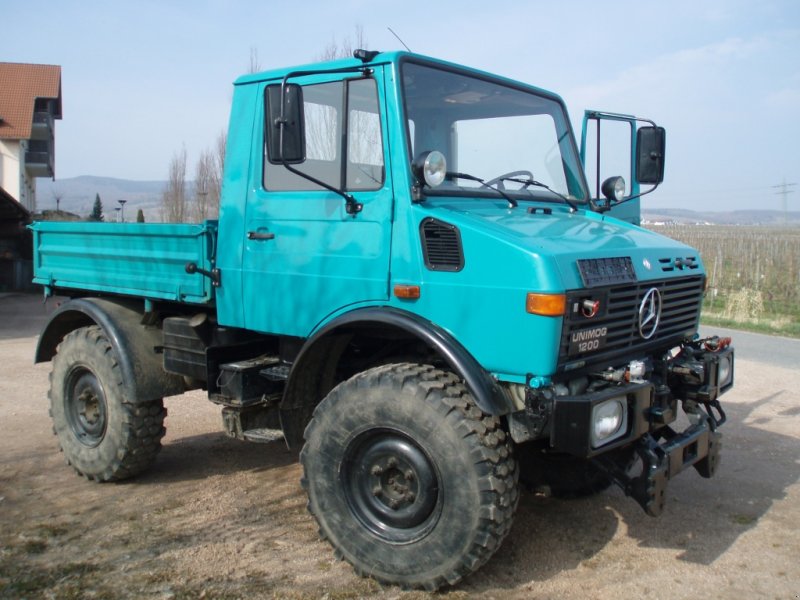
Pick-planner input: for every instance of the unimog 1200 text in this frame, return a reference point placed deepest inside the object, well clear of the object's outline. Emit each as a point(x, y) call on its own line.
point(411, 280)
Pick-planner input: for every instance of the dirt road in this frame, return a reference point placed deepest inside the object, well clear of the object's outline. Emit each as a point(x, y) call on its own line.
point(217, 518)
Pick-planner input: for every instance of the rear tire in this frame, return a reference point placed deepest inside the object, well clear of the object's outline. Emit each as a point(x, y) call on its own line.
point(104, 436)
point(409, 481)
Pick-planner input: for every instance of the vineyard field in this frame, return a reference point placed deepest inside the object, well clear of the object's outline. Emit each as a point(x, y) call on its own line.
point(753, 274)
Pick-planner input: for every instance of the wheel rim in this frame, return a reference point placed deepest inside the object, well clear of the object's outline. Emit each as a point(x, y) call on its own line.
point(391, 485)
point(85, 407)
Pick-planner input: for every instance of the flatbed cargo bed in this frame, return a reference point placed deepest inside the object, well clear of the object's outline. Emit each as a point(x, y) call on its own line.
point(133, 259)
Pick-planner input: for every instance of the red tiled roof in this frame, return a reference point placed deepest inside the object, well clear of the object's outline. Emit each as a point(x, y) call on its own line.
point(20, 85)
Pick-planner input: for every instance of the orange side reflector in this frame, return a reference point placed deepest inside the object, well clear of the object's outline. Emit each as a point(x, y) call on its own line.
point(407, 292)
point(548, 305)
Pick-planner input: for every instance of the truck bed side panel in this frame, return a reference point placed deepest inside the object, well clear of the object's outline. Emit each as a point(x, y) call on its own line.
point(145, 260)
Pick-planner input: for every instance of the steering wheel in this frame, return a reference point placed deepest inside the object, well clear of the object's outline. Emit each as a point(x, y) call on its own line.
point(499, 180)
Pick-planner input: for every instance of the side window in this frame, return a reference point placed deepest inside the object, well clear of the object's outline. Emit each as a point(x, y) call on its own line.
point(322, 104)
point(615, 158)
point(325, 120)
point(364, 141)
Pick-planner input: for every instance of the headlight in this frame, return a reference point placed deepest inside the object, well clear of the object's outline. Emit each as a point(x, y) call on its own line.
point(609, 421)
point(613, 188)
point(430, 168)
point(725, 371)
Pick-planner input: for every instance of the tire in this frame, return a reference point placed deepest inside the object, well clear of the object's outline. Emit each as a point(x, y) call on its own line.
point(409, 481)
point(104, 436)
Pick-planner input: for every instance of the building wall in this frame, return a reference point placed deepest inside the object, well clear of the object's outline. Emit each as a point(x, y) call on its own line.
point(27, 184)
point(14, 179)
point(9, 166)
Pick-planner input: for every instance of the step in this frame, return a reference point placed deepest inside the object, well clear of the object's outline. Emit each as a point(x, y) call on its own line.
point(262, 436)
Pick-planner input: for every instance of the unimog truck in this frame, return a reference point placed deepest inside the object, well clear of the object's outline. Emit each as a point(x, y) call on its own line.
point(411, 282)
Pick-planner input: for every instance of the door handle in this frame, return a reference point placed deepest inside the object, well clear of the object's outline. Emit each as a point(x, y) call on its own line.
point(260, 235)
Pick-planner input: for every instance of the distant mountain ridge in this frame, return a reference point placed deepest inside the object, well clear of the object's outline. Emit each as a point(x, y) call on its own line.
point(733, 217)
point(78, 194)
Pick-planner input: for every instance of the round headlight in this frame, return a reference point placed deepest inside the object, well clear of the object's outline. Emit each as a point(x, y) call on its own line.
point(724, 372)
point(607, 419)
point(613, 188)
point(431, 167)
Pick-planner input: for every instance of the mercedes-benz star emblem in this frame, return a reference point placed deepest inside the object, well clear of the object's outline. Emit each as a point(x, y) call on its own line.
point(649, 313)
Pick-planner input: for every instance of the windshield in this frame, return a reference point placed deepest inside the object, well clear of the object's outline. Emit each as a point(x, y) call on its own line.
point(501, 134)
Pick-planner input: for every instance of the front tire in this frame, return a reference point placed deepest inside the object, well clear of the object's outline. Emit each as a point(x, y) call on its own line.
point(104, 436)
point(410, 482)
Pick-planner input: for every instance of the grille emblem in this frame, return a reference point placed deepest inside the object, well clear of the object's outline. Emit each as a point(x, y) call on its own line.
point(649, 313)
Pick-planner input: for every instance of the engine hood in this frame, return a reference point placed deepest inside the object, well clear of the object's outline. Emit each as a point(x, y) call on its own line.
point(557, 236)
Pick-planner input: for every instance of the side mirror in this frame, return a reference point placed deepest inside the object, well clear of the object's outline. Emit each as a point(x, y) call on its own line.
point(285, 124)
point(650, 146)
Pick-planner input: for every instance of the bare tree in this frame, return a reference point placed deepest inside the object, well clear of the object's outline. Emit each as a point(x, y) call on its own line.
point(344, 49)
point(203, 176)
point(320, 124)
point(215, 188)
point(208, 181)
point(174, 199)
point(57, 196)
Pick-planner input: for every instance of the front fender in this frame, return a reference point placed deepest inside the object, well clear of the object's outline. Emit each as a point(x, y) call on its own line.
point(487, 393)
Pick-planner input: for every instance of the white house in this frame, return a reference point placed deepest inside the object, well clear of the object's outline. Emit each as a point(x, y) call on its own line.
point(30, 101)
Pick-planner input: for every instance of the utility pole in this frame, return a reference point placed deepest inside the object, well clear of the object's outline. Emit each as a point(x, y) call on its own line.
point(784, 191)
point(122, 209)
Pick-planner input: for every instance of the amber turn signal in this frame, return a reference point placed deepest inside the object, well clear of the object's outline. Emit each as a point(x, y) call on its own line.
point(407, 292)
point(548, 305)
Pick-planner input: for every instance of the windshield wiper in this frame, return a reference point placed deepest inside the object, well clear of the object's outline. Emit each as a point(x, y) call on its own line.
point(532, 182)
point(453, 175)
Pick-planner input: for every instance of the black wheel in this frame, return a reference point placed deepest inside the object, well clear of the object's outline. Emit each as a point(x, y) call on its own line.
point(565, 476)
point(103, 435)
point(410, 482)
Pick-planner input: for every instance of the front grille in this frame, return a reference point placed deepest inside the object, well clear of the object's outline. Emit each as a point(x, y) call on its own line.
point(681, 300)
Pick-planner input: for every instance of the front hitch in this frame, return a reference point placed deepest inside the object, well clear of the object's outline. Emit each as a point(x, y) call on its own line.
point(698, 446)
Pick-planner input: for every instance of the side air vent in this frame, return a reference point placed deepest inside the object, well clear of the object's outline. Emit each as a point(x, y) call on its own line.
point(441, 246)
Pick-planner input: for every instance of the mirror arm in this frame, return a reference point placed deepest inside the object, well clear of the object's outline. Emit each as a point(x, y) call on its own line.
point(608, 206)
point(353, 207)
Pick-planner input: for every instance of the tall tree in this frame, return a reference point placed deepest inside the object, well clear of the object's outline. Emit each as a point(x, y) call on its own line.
point(174, 200)
point(140, 216)
point(208, 181)
point(97, 209)
point(203, 176)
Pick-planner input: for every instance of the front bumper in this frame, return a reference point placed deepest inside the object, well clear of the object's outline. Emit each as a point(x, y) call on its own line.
point(694, 377)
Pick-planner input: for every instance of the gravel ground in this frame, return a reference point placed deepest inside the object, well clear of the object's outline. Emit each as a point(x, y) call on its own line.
point(218, 518)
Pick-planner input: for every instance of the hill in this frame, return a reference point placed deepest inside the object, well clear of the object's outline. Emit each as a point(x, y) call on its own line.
point(735, 217)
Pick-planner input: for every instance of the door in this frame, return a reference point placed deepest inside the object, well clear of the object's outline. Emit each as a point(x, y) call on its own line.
point(304, 256)
point(615, 134)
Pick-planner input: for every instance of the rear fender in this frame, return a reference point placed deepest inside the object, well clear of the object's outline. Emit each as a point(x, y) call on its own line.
point(136, 346)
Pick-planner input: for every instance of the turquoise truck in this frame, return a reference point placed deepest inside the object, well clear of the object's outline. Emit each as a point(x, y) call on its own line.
point(411, 281)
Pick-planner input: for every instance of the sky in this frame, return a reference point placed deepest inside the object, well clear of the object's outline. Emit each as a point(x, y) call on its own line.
point(142, 79)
